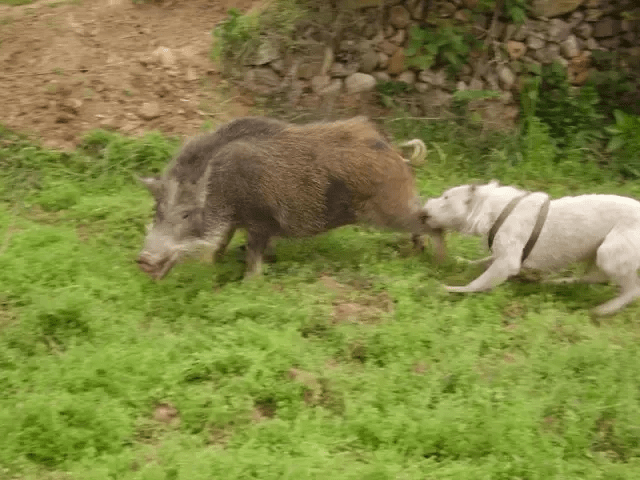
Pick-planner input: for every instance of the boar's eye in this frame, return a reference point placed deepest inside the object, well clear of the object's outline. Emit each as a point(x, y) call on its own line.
point(185, 215)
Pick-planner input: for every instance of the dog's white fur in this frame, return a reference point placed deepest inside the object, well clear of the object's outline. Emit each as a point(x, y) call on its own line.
point(602, 230)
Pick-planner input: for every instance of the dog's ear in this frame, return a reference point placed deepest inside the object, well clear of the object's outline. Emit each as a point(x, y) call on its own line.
point(473, 187)
point(494, 183)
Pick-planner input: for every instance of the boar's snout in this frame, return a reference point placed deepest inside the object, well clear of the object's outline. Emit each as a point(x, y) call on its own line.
point(154, 266)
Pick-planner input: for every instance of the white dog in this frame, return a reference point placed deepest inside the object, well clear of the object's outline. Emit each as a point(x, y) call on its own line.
point(531, 231)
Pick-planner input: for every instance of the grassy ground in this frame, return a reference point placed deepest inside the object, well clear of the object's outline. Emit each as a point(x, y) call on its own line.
point(346, 361)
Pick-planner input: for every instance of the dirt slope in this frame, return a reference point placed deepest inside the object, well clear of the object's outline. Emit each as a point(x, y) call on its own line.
point(70, 66)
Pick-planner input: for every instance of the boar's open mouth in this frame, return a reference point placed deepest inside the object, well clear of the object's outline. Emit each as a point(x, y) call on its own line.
point(159, 269)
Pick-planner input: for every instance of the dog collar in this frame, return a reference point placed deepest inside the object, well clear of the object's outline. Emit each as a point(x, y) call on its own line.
point(537, 228)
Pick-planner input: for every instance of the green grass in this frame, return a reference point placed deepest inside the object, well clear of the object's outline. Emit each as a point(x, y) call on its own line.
point(16, 2)
point(346, 361)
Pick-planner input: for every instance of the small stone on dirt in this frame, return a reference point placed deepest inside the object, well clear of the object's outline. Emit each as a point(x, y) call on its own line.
point(149, 111)
point(164, 56)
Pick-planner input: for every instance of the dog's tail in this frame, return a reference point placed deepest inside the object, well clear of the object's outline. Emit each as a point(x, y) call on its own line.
point(419, 151)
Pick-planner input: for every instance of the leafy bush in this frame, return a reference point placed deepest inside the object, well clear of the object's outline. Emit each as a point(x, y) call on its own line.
point(565, 109)
point(624, 142)
point(445, 45)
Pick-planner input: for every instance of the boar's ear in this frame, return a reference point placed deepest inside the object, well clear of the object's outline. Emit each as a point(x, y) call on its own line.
point(154, 184)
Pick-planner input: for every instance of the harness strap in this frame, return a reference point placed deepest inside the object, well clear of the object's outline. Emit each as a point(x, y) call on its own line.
point(537, 228)
point(506, 211)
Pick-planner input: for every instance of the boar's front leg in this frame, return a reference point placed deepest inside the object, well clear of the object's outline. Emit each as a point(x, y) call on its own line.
point(257, 243)
point(224, 244)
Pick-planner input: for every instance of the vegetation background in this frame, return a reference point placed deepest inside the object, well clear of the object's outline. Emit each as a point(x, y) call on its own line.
point(346, 361)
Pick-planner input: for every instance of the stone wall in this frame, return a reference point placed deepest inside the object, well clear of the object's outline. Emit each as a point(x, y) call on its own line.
point(367, 43)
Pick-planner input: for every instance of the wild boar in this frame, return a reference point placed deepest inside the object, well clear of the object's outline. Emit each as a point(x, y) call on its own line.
point(276, 179)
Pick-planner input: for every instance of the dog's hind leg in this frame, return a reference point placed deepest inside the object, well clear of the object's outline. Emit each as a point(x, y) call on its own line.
point(593, 275)
point(619, 258)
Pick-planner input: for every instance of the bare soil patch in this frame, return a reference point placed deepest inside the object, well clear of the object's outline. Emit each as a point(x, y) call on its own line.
point(73, 65)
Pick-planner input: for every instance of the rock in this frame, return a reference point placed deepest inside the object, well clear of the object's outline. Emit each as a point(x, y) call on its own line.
point(422, 87)
point(407, 77)
point(461, 16)
point(461, 86)
point(262, 80)
point(190, 74)
point(558, 30)
point(554, 51)
point(584, 30)
point(418, 12)
point(534, 42)
point(521, 32)
point(267, 52)
point(553, 8)
point(435, 99)
point(396, 62)
point(570, 47)
point(382, 76)
point(73, 105)
point(369, 61)
point(476, 84)
point(592, 44)
point(470, 4)
point(575, 18)
point(506, 76)
point(447, 9)
point(383, 60)
point(607, 27)
point(319, 83)
point(492, 81)
point(360, 82)
point(593, 15)
point(389, 31)
point(388, 48)
point(333, 89)
point(578, 69)
point(164, 56)
point(340, 70)
point(306, 71)
point(327, 61)
point(399, 37)
point(399, 17)
point(149, 111)
point(437, 79)
point(611, 43)
point(629, 38)
point(516, 49)
point(277, 65)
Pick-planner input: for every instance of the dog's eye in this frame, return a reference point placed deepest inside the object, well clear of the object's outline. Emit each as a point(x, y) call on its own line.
point(186, 215)
point(446, 197)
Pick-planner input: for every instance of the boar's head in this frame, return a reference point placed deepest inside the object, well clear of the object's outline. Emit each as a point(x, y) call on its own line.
point(177, 229)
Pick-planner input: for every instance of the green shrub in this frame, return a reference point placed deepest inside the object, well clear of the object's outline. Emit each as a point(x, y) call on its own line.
point(624, 143)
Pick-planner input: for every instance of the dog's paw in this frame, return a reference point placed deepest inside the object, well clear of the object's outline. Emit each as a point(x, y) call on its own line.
point(454, 289)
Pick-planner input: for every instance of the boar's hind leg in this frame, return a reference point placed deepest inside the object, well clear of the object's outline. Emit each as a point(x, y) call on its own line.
point(256, 245)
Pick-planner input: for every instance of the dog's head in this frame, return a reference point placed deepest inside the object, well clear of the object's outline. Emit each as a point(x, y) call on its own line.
point(452, 209)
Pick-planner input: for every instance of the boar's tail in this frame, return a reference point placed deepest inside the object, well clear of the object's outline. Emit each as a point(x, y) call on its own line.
point(419, 151)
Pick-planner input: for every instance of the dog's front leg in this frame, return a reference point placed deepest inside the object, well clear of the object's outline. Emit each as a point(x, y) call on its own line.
point(485, 262)
point(499, 271)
